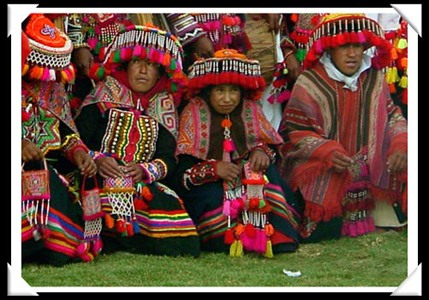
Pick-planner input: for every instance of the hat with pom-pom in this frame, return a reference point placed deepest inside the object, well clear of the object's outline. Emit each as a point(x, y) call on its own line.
point(138, 42)
point(335, 30)
point(49, 58)
point(227, 67)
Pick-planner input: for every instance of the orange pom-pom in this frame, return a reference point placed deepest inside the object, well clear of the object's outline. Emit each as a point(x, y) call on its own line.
point(226, 123)
point(109, 221)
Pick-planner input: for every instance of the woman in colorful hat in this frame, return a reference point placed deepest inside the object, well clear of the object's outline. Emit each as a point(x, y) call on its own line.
point(130, 123)
point(345, 141)
point(52, 224)
point(226, 150)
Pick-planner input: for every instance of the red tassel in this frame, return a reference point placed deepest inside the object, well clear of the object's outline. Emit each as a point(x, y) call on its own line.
point(250, 230)
point(25, 116)
point(147, 194)
point(353, 38)
point(120, 226)
point(229, 237)
point(129, 228)
point(341, 39)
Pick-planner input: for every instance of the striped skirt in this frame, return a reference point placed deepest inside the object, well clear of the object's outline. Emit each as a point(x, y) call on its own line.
point(205, 204)
point(52, 234)
point(161, 227)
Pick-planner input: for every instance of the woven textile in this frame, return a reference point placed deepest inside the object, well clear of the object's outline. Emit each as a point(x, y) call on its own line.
point(322, 117)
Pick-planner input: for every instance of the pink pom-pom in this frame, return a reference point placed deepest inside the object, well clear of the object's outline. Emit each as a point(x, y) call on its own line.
point(97, 247)
point(318, 46)
point(261, 241)
point(228, 145)
point(137, 51)
point(226, 208)
point(361, 37)
point(82, 249)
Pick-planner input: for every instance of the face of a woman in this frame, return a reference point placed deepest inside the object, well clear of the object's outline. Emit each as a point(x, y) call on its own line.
point(348, 58)
point(225, 98)
point(142, 75)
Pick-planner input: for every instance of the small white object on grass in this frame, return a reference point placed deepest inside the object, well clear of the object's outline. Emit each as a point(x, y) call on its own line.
point(291, 274)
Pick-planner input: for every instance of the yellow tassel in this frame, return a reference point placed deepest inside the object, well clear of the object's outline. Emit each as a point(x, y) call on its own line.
point(395, 76)
point(25, 69)
point(236, 249)
point(269, 251)
point(239, 252)
point(402, 44)
point(389, 76)
point(404, 82)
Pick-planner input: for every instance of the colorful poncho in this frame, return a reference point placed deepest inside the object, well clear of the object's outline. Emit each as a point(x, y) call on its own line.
point(323, 117)
point(194, 135)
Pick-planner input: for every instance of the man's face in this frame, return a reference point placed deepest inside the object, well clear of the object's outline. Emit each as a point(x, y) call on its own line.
point(348, 58)
point(142, 75)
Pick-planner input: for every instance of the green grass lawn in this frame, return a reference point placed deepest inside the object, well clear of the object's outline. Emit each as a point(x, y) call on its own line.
point(374, 260)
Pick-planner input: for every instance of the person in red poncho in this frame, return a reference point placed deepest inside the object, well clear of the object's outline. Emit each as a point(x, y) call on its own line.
point(345, 141)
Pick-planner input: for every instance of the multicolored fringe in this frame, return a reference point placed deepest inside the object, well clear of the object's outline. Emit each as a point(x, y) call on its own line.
point(36, 72)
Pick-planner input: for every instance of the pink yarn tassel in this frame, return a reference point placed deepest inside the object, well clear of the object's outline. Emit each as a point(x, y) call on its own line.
point(260, 241)
point(361, 37)
point(360, 230)
point(318, 46)
point(228, 145)
point(83, 248)
point(137, 51)
point(248, 242)
point(96, 248)
point(45, 75)
point(226, 208)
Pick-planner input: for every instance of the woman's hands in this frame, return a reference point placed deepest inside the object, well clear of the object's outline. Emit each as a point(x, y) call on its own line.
point(85, 163)
point(259, 162)
point(109, 167)
point(30, 152)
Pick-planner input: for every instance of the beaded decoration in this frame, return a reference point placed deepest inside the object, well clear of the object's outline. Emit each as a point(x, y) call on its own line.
point(50, 55)
point(244, 201)
point(138, 42)
point(120, 192)
point(227, 67)
point(36, 200)
point(92, 214)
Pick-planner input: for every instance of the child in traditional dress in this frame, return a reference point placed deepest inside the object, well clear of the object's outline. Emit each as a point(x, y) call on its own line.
point(227, 150)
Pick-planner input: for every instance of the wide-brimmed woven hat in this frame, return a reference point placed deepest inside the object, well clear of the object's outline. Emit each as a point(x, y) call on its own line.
point(227, 67)
point(50, 51)
point(335, 30)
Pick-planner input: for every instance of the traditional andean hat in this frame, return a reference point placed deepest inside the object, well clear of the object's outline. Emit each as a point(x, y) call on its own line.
point(337, 29)
point(50, 51)
point(137, 42)
point(227, 67)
